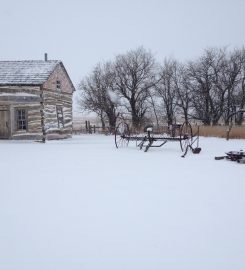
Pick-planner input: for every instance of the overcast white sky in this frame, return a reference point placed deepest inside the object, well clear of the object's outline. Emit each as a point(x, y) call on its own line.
point(82, 33)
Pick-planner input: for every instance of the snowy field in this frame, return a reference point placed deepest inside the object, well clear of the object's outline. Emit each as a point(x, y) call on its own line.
point(83, 204)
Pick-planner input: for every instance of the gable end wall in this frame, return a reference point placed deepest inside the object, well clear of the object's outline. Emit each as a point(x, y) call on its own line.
point(59, 74)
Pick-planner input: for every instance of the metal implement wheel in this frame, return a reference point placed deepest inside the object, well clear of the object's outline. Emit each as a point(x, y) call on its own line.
point(186, 136)
point(122, 135)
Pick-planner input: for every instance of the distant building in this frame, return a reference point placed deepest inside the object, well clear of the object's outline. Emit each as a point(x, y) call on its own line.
point(35, 100)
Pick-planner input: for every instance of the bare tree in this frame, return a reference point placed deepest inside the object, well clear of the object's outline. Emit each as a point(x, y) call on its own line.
point(208, 90)
point(155, 107)
point(226, 80)
point(183, 90)
point(97, 94)
point(166, 89)
point(239, 89)
point(134, 79)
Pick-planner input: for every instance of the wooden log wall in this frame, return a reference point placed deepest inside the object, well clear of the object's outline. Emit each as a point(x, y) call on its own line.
point(33, 116)
point(22, 97)
point(53, 129)
point(34, 120)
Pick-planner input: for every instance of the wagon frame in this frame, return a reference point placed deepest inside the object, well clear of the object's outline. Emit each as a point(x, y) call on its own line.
point(180, 133)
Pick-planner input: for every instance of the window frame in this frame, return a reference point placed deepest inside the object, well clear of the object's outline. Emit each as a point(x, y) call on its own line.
point(58, 86)
point(18, 126)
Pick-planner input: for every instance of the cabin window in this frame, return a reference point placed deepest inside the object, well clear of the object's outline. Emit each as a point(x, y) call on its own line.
point(58, 86)
point(60, 116)
point(21, 119)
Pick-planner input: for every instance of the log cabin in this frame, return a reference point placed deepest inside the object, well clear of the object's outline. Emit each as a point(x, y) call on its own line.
point(35, 100)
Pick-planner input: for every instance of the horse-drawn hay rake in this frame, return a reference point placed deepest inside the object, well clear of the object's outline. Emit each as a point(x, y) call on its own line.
point(177, 133)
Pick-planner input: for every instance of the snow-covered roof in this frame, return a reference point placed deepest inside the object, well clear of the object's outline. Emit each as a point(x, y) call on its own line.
point(34, 72)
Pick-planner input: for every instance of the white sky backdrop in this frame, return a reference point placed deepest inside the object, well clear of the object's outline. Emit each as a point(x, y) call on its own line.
point(83, 33)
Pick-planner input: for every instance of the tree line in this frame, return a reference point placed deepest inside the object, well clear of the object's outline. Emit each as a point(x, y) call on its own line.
point(137, 87)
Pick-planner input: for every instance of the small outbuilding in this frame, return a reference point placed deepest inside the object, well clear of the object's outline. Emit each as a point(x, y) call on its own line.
point(35, 100)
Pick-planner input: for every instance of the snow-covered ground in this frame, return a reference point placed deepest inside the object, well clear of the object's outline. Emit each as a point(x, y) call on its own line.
point(83, 204)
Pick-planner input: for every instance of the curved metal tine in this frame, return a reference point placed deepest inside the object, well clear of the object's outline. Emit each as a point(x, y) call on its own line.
point(186, 150)
point(141, 144)
point(122, 142)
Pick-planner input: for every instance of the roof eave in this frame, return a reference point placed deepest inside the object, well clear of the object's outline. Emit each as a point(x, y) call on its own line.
point(22, 84)
point(72, 85)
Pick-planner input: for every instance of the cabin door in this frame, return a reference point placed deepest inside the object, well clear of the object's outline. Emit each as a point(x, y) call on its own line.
point(4, 124)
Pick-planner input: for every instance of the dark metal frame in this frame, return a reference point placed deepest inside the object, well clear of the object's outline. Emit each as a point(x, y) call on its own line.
point(186, 138)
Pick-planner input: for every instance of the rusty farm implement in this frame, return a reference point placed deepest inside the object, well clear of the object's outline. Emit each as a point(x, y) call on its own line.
point(183, 134)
